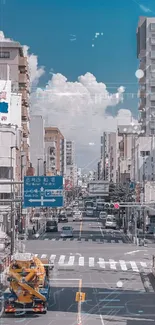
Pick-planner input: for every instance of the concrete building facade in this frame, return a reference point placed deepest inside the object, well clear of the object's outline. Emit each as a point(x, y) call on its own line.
point(107, 165)
point(37, 140)
point(146, 56)
point(70, 152)
point(55, 151)
point(14, 67)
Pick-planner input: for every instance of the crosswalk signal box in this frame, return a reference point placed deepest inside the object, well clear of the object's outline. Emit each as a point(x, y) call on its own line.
point(80, 296)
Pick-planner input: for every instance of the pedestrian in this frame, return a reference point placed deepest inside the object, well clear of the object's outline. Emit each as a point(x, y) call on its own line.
point(33, 230)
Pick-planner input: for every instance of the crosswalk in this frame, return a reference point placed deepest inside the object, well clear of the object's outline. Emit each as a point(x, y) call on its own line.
point(98, 240)
point(94, 262)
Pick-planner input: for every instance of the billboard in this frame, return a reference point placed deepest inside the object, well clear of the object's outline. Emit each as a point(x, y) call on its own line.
point(5, 100)
point(68, 185)
point(98, 188)
point(10, 104)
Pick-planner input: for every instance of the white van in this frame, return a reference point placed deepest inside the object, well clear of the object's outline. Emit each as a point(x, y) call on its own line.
point(111, 222)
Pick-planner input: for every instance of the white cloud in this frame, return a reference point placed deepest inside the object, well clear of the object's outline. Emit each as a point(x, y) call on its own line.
point(3, 38)
point(35, 71)
point(78, 108)
point(145, 9)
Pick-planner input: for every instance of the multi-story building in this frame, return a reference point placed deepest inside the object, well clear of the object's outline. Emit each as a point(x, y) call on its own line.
point(14, 67)
point(71, 175)
point(71, 168)
point(70, 152)
point(125, 146)
point(146, 56)
point(107, 165)
point(55, 151)
point(37, 140)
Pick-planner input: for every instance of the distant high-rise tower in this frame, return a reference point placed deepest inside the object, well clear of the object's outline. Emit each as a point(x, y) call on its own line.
point(146, 56)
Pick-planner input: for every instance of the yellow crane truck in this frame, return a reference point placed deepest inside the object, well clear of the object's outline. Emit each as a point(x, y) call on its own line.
point(29, 288)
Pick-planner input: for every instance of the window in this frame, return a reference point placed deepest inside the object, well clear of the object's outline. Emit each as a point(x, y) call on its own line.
point(152, 26)
point(4, 55)
point(5, 196)
point(147, 153)
point(153, 47)
point(142, 153)
point(6, 172)
point(152, 89)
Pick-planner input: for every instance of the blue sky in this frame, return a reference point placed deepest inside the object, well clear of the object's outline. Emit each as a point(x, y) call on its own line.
point(46, 27)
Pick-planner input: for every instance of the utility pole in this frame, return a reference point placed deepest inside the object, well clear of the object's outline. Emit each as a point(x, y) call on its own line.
point(12, 206)
point(135, 225)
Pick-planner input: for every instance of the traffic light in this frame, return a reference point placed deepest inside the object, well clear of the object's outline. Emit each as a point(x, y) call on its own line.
point(111, 205)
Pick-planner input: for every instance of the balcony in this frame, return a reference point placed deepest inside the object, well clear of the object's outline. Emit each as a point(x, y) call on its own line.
point(152, 97)
point(25, 130)
point(142, 80)
point(23, 79)
point(142, 66)
point(25, 146)
point(23, 61)
point(152, 54)
point(152, 83)
point(53, 156)
point(25, 114)
point(25, 97)
point(152, 41)
point(142, 54)
point(142, 93)
point(141, 106)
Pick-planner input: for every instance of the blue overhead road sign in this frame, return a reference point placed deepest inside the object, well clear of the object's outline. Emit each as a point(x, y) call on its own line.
point(43, 191)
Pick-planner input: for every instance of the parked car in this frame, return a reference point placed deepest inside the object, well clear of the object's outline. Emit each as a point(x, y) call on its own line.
point(62, 218)
point(51, 225)
point(66, 232)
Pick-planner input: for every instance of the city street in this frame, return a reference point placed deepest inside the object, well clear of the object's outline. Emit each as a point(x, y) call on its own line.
point(114, 275)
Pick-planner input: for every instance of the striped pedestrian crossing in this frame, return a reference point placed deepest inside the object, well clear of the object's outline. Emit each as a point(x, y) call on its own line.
point(94, 262)
point(97, 240)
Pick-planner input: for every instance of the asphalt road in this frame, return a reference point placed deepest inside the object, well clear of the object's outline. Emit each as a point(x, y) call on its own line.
point(113, 274)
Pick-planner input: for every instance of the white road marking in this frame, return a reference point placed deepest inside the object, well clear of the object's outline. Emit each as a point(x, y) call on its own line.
point(71, 260)
point(61, 259)
point(101, 318)
point(58, 279)
point(134, 266)
point(44, 256)
point(101, 263)
point(123, 265)
point(137, 251)
point(143, 264)
point(112, 264)
point(52, 258)
point(91, 261)
point(81, 261)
